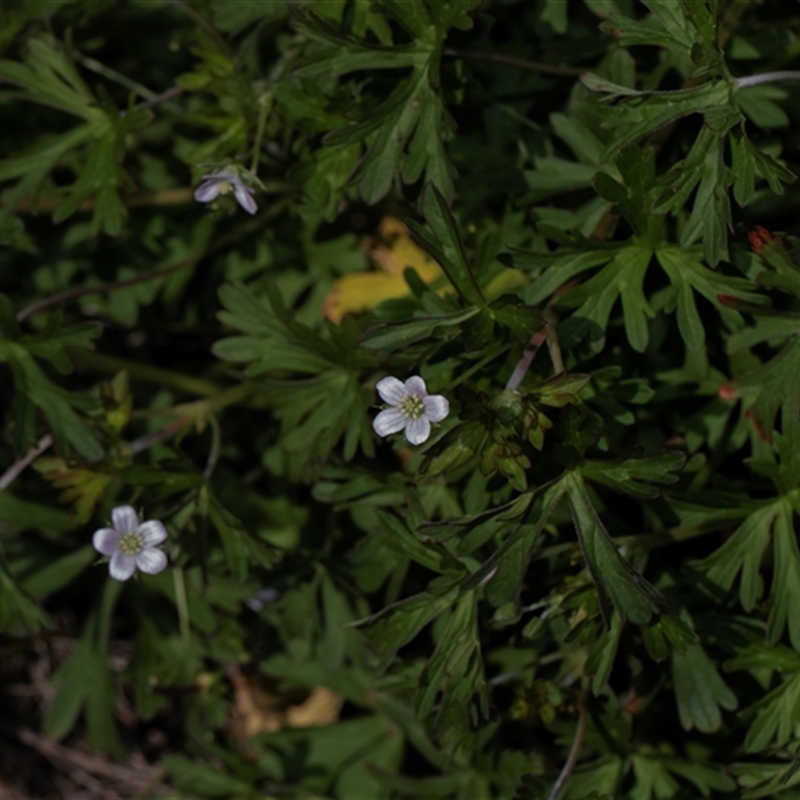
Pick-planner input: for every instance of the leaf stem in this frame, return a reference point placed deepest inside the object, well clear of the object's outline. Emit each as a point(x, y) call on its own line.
point(18, 466)
point(767, 77)
point(181, 604)
point(514, 61)
point(216, 444)
point(575, 750)
point(264, 106)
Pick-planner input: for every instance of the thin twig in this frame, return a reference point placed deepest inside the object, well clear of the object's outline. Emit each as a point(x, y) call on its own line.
point(547, 333)
point(514, 61)
point(18, 466)
point(107, 72)
point(150, 439)
point(158, 99)
point(575, 750)
point(531, 349)
point(104, 288)
point(201, 21)
point(216, 446)
point(767, 77)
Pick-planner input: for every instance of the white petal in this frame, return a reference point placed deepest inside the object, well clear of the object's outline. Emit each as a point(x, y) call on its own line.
point(244, 197)
point(389, 421)
point(106, 541)
point(151, 560)
point(391, 390)
point(437, 407)
point(418, 430)
point(125, 519)
point(415, 385)
point(208, 191)
point(122, 566)
point(153, 532)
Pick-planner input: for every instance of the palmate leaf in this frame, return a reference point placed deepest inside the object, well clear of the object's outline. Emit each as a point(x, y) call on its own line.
point(777, 714)
point(621, 277)
point(700, 691)
point(51, 79)
point(638, 477)
point(744, 552)
point(454, 675)
point(328, 402)
point(34, 389)
point(618, 584)
point(404, 136)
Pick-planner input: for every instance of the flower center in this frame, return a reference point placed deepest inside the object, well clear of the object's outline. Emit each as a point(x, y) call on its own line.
point(224, 187)
point(131, 544)
point(411, 406)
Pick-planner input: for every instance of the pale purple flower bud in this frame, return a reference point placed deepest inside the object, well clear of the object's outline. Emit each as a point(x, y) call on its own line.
point(131, 545)
point(224, 182)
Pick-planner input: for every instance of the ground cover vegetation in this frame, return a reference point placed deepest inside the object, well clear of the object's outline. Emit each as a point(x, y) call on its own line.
point(400, 398)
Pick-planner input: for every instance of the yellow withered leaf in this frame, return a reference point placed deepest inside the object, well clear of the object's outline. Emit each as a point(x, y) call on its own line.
point(391, 252)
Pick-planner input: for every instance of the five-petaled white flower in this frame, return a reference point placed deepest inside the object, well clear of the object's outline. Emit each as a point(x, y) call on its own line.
point(131, 544)
point(226, 181)
point(412, 409)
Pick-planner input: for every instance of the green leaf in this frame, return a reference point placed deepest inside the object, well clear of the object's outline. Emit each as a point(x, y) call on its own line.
point(603, 654)
point(700, 691)
point(59, 573)
point(622, 278)
point(399, 623)
point(198, 778)
point(785, 594)
point(617, 582)
point(455, 671)
point(392, 336)
point(400, 536)
point(233, 536)
point(743, 551)
point(445, 245)
point(518, 317)
point(778, 712)
point(636, 476)
point(33, 388)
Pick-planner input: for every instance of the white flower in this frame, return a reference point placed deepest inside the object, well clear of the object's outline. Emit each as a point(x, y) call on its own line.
point(224, 182)
point(131, 544)
point(412, 411)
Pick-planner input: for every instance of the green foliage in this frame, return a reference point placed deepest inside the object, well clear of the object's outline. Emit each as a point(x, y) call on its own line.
point(594, 548)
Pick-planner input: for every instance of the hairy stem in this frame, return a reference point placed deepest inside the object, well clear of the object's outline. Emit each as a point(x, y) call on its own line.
point(768, 77)
point(575, 750)
point(547, 333)
point(18, 466)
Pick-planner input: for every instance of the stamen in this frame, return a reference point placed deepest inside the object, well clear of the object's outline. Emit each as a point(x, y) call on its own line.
point(131, 544)
point(411, 406)
point(224, 187)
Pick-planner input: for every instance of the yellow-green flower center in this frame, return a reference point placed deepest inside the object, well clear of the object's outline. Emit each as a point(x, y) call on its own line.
point(131, 544)
point(225, 187)
point(411, 406)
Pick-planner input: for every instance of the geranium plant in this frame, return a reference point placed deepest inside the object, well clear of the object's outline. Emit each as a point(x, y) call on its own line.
point(449, 350)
